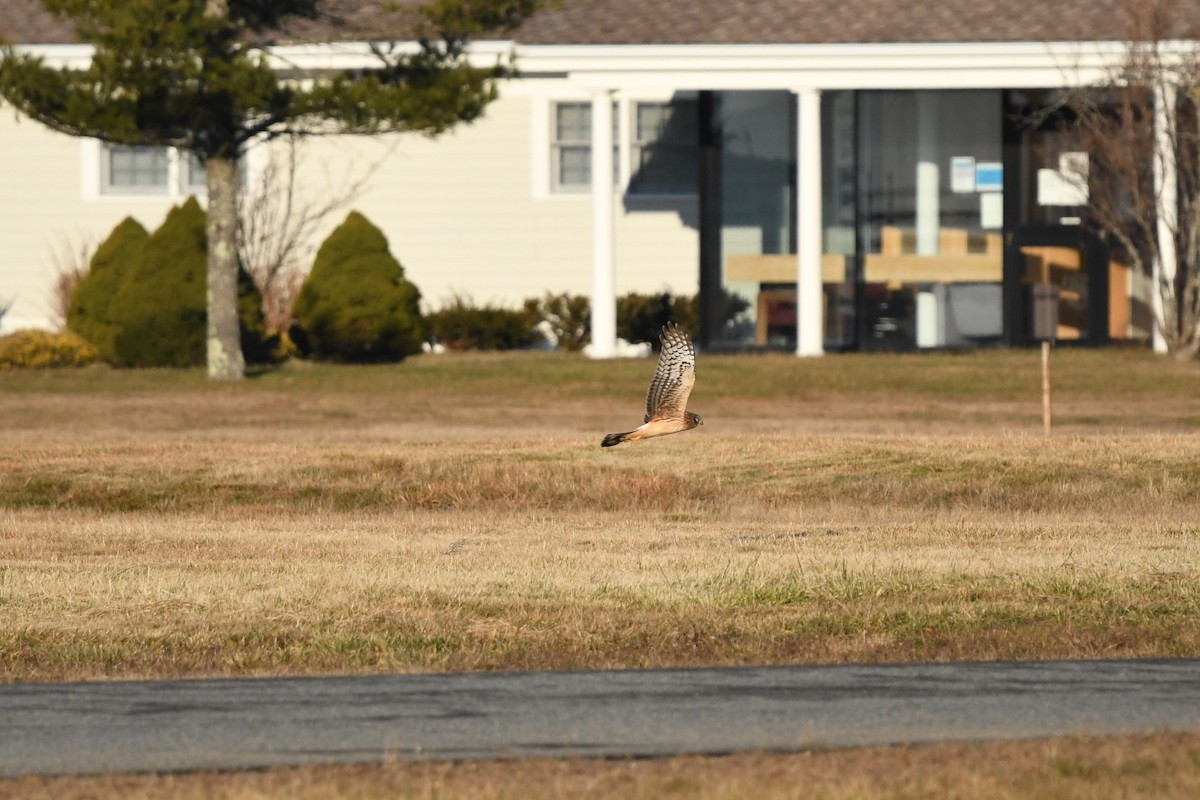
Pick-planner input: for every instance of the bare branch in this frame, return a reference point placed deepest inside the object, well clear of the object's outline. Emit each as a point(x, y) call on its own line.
point(70, 259)
point(279, 221)
point(1142, 133)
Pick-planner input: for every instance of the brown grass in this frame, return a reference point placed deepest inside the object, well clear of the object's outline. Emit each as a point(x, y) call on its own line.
point(457, 514)
point(1162, 767)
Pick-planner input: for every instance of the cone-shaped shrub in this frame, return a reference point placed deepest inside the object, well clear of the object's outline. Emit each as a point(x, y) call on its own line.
point(161, 309)
point(356, 304)
point(162, 305)
point(89, 314)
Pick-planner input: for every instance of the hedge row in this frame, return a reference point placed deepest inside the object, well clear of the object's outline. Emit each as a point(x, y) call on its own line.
point(143, 303)
point(562, 319)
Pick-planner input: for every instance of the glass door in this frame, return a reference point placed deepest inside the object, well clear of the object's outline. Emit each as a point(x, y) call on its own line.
point(1049, 241)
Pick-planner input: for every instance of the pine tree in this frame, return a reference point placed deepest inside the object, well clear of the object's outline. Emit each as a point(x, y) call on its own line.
point(194, 74)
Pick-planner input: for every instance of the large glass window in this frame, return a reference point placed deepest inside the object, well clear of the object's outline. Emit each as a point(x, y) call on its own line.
point(931, 217)
point(839, 167)
point(1100, 295)
point(758, 169)
point(912, 218)
point(664, 148)
point(759, 243)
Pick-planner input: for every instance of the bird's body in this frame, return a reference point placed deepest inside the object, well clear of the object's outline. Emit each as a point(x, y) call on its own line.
point(666, 399)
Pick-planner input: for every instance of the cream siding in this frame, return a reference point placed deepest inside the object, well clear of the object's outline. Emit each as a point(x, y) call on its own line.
point(42, 209)
point(461, 212)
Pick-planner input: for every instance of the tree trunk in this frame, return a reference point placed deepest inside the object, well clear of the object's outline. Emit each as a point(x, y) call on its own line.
point(225, 360)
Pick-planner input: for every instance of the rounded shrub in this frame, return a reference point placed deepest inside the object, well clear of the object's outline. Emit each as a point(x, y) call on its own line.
point(356, 304)
point(160, 313)
point(40, 349)
point(89, 314)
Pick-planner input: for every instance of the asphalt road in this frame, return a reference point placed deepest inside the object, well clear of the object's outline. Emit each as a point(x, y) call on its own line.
point(76, 728)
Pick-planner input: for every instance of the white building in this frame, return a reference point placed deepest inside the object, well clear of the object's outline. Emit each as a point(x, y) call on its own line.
point(858, 172)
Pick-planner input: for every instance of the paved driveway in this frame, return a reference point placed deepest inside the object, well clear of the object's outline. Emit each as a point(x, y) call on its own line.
point(74, 728)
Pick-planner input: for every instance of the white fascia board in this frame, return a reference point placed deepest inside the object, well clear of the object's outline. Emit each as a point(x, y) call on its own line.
point(739, 66)
point(315, 57)
point(59, 56)
point(338, 56)
point(828, 66)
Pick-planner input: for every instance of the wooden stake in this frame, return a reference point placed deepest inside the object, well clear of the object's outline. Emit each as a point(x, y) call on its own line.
point(1046, 387)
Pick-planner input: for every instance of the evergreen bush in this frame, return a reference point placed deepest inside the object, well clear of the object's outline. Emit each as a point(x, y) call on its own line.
point(40, 349)
point(162, 307)
point(461, 325)
point(640, 317)
point(89, 314)
point(159, 313)
point(356, 304)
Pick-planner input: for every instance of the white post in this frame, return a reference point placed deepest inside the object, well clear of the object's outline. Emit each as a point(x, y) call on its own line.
point(929, 210)
point(810, 303)
point(604, 283)
point(1165, 179)
point(928, 175)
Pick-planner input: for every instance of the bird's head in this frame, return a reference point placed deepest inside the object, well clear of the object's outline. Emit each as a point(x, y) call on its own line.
point(695, 419)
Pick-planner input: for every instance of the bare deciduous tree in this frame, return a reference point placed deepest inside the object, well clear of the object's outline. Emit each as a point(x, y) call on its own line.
point(1143, 174)
point(278, 220)
point(70, 258)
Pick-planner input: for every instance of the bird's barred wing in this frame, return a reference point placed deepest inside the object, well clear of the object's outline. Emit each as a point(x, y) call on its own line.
point(674, 377)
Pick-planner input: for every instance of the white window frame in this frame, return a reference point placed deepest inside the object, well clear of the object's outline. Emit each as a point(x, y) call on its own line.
point(107, 186)
point(543, 141)
point(96, 187)
point(555, 146)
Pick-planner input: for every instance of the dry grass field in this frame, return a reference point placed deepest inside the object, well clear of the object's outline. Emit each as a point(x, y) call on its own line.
point(1151, 767)
point(457, 513)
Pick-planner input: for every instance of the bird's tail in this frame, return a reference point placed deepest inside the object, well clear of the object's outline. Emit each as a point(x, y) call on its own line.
point(613, 439)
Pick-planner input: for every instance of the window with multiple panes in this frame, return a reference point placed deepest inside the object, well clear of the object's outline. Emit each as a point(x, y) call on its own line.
point(665, 148)
point(571, 147)
point(133, 170)
point(193, 173)
point(136, 170)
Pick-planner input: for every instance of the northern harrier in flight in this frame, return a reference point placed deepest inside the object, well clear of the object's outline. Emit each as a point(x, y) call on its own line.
point(668, 394)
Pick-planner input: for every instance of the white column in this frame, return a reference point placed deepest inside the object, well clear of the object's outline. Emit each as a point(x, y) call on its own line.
point(604, 283)
point(810, 305)
point(1166, 182)
point(928, 175)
